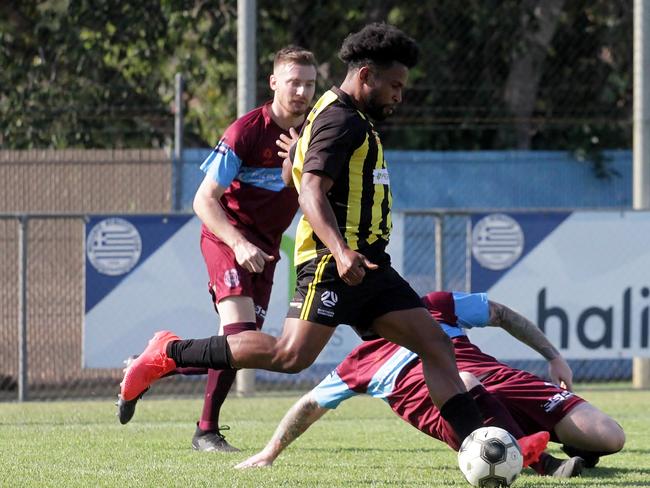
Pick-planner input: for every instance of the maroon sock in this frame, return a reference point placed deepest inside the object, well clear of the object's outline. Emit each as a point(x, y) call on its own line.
point(219, 384)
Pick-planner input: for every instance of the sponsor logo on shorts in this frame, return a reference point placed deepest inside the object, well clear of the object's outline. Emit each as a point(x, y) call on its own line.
point(327, 312)
point(295, 304)
point(231, 278)
point(329, 299)
point(553, 402)
point(260, 312)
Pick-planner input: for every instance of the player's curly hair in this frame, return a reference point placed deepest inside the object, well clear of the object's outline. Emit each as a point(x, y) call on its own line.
point(380, 44)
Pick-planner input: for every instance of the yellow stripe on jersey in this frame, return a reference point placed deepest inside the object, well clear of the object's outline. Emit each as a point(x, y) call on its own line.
point(311, 288)
point(355, 188)
point(303, 143)
point(381, 191)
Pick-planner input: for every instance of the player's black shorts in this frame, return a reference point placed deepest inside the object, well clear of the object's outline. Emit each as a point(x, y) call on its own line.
point(322, 296)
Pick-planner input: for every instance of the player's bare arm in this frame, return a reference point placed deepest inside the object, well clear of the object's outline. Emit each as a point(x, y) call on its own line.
point(294, 423)
point(208, 209)
point(350, 264)
point(527, 332)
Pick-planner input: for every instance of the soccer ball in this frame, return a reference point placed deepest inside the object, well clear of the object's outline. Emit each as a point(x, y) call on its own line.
point(490, 457)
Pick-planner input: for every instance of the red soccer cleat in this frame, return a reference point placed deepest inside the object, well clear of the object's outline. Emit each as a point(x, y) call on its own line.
point(533, 445)
point(150, 366)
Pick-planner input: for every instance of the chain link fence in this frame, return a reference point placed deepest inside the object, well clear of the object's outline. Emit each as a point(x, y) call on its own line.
point(55, 307)
point(551, 75)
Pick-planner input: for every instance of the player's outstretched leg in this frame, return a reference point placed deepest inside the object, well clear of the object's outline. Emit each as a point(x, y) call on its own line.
point(589, 433)
point(150, 366)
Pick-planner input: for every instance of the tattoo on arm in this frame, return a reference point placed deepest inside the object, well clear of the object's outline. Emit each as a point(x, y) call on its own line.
point(523, 329)
point(297, 420)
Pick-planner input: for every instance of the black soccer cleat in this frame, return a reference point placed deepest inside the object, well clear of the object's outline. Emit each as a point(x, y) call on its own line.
point(590, 458)
point(126, 408)
point(568, 468)
point(211, 441)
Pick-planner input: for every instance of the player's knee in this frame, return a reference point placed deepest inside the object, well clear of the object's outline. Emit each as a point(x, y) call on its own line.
point(469, 380)
point(615, 438)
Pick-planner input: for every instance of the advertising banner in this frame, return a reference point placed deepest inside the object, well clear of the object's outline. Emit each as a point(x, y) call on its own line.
point(146, 273)
point(582, 277)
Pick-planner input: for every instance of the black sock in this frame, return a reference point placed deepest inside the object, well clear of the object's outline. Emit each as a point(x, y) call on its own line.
point(462, 414)
point(494, 412)
point(213, 353)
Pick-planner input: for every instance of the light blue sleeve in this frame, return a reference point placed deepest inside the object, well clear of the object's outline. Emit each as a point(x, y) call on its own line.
point(330, 392)
point(472, 309)
point(222, 165)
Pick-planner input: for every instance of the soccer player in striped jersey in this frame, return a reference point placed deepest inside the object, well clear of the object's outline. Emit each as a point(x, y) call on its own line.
point(245, 208)
point(516, 400)
point(343, 271)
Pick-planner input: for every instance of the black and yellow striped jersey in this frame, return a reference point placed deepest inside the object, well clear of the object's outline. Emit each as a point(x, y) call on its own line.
point(340, 141)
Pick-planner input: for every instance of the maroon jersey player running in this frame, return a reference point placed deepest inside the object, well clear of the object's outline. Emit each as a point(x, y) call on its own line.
point(245, 207)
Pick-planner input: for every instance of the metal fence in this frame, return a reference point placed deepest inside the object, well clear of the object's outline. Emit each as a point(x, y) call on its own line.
point(42, 306)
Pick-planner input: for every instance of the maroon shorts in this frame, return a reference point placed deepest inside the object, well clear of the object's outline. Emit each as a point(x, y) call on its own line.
point(534, 403)
point(228, 278)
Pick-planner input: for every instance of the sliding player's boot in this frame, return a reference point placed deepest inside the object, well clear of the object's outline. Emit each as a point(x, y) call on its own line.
point(533, 445)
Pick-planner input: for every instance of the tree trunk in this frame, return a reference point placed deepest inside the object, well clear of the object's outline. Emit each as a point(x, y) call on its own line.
point(539, 22)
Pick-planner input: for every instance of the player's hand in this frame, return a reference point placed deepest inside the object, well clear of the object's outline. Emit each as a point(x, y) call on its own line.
point(286, 141)
point(259, 460)
point(352, 266)
point(250, 257)
point(560, 373)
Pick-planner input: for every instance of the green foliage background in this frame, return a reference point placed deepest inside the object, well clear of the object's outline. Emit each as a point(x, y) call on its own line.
point(495, 74)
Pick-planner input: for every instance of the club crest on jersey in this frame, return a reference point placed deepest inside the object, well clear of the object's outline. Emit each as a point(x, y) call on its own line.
point(231, 278)
point(329, 298)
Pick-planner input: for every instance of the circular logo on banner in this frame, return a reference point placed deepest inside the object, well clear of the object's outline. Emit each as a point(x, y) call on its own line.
point(497, 241)
point(113, 246)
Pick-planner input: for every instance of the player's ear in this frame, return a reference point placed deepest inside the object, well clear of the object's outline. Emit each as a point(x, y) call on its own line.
point(273, 82)
point(365, 75)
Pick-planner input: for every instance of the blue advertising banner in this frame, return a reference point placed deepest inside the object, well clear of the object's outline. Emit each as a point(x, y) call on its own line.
point(582, 277)
point(146, 273)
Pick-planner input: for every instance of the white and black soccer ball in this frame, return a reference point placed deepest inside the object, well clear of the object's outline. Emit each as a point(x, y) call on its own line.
point(490, 457)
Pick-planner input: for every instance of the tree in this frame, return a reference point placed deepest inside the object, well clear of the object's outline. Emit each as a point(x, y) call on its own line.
point(495, 74)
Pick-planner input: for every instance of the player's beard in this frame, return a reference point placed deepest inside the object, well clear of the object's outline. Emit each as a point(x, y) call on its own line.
point(295, 111)
point(378, 111)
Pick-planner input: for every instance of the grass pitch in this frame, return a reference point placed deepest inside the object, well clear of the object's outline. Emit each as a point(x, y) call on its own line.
point(81, 444)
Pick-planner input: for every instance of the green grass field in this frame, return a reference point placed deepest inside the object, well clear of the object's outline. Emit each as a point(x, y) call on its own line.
point(68, 444)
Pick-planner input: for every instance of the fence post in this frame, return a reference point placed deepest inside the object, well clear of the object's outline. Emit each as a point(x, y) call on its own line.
point(246, 100)
point(22, 309)
point(641, 142)
point(178, 144)
point(440, 261)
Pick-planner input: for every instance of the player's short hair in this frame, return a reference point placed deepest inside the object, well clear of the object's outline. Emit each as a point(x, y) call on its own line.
point(294, 54)
point(380, 44)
